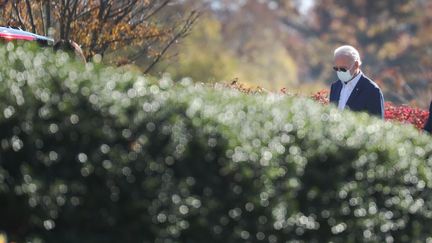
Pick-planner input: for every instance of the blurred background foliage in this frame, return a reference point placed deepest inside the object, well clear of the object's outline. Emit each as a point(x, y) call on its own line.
point(290, 43)
point(217, 51)
point(203, 56)
point(268, 43)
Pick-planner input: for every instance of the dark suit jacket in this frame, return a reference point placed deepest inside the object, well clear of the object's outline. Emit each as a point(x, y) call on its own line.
point(366, 96)
point(428, 126)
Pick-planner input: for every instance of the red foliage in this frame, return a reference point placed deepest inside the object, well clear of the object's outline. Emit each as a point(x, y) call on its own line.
point(403, 113)
point(406, 114)
point(322, 97)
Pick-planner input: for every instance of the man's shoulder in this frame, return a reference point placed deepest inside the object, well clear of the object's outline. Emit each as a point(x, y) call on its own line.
point(335, 83)
point(369, 82)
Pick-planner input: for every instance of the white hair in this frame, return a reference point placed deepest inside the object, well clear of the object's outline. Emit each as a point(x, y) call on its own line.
point(348, 51)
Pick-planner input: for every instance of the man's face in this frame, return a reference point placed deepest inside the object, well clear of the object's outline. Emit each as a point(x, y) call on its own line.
point(345, 62)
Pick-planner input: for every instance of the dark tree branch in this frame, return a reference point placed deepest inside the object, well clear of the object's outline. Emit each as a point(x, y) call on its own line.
point(47, 7)
point(71, 14)
point(182, 33)
point(86, 13)
point(15, 6)
point(44, 30)
point(63, 9)
point(156, 10)
point(30, 13)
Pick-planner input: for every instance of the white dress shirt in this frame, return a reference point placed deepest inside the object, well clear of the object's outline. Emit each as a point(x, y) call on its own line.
point(346, 91)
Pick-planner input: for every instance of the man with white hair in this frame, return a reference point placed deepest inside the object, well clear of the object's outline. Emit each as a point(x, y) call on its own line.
point(354, 90)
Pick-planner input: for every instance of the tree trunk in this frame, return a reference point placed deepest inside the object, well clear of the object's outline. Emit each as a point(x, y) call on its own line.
point(30, 14)
point(47, 16)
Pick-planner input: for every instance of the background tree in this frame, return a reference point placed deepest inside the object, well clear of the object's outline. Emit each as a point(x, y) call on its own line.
point(235, 39)
point(391, 36)
point(106, 25)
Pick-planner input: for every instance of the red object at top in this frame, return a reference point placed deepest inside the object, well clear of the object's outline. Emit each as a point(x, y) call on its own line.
point(12, 36)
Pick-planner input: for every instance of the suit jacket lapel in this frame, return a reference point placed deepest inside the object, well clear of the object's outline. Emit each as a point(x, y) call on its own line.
point(336, 93)
point(356, 91)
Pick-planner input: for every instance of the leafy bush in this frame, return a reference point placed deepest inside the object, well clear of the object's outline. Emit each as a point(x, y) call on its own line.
point(403, 113)
point(94, 154)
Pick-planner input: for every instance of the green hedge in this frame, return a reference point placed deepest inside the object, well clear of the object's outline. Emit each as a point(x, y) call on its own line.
point(95, 154)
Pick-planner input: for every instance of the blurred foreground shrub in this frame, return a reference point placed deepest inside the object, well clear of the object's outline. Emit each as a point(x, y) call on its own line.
point(403, 113)
point(94, 154)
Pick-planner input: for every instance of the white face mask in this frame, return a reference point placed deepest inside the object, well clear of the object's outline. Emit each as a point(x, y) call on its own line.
point(345, 76)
